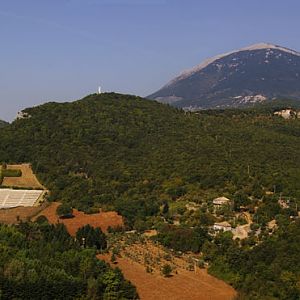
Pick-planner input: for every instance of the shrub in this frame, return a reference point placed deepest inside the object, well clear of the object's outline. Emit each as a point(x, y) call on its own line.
point(41, 220)
point(11, 173)
point(64, 211)
point(166, 270)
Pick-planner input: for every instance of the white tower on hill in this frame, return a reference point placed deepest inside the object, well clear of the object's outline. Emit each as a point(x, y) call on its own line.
point(99, 90)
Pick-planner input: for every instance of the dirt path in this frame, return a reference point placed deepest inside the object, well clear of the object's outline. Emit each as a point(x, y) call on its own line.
point(27, 180)
point(242, 231)
point(102, 220)
point(185, 285)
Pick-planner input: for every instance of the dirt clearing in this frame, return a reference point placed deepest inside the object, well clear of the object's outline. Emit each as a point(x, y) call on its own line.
point(27, 180)
point(102, 220)
point(15, 215)
point(185, 285)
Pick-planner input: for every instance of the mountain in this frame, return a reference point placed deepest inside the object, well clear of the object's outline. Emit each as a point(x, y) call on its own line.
point(254, 74)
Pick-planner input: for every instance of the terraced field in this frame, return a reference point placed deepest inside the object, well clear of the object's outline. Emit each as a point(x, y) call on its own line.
point(185, 284)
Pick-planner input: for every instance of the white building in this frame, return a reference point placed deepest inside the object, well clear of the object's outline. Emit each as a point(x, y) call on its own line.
point(223, 226)
point(286, 113)
point(221, 201)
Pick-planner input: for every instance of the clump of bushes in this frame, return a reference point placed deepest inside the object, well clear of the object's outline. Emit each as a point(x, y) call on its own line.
point(64, 211)
point(11, 173)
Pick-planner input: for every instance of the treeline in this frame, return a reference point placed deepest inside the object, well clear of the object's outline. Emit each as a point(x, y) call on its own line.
point(42, 261)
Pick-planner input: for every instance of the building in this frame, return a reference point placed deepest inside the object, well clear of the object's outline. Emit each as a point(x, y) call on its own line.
point(221, 201)
point(223, 226)
point(284, 203)
point(22, 115)
point(287, 113)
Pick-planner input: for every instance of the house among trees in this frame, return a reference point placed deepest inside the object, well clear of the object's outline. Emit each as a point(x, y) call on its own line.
point(287, 113)
point(284, 203)
point(221, 201)
point(223, 226)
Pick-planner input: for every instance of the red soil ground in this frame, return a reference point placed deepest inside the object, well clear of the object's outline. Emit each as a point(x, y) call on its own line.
point(15, 215)
point(102, 220)
point(185, 285)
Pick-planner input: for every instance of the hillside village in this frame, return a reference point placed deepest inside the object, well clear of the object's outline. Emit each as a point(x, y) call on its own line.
point(223, 215)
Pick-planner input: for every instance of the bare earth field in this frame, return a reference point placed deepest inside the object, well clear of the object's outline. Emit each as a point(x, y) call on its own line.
point(102, 220)
point(15, 215)
point(185, 285)
point(27, 180)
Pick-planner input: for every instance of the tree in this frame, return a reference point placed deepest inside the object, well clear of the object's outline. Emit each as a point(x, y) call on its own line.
point(41, 219)
point(64, 211)
point(166, 270)
point(91, 237)
point(44, 265)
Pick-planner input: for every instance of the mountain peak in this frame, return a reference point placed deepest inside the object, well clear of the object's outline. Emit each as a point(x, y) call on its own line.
point(261, 46)
point(254, 73)
point(205, 63)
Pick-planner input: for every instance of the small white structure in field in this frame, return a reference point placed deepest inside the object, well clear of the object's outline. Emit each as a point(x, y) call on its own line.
point(221, 201)
point(223, 226)
point(99, 90)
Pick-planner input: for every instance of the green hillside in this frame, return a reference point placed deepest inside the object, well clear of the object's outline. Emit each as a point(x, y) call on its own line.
point(3, 123)
point(146, 160)
point(113, 149)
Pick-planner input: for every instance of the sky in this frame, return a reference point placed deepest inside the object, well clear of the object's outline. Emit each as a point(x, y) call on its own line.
point(62, 50)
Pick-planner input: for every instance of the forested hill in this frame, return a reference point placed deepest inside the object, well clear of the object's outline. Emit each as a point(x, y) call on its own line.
point(3, 123)
point(133, 153)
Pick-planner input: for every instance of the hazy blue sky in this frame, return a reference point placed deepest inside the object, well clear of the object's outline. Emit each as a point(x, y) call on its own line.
point(59, 50)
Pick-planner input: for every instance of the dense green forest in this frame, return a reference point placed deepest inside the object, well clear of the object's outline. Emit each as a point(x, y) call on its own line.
point(139, 157)
point(42, 261)
point(132, 153)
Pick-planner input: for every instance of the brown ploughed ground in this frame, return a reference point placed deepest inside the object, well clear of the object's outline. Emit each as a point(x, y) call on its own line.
point(185, 285)
point(102, 219)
